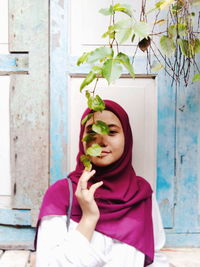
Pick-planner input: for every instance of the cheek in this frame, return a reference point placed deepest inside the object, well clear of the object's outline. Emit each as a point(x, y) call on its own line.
point(118, 144)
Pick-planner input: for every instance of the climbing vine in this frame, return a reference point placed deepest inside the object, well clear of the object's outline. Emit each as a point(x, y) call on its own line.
point(171, 42)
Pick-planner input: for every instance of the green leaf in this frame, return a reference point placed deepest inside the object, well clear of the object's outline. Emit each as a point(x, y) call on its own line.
point(177, 30)
point(156, 67)
point(107, 11)
point(196, 77)
point(97, 69)
point(96, 103)
point(177, 7)
point(83, 58)
point(86, 118)
point(126, 62)
point(127, 9)
point(94, 150)
point(159, 4)
point(141, 29)
point(111, 70)
point(196, 46)
point(185, 48)
point(133, 37)
point(89, 137)
point(86, 162)
point(167, 45)
point(195, 2)
point(100, 127)
point(89, 78)
point(123, 24)
point(164, 4)
point(87, 94)
point(100, 53)
point(123, 35)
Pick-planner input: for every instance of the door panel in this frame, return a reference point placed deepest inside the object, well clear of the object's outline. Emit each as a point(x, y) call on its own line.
point(138, 97)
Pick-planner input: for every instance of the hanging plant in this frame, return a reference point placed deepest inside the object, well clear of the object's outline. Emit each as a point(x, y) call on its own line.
point(174, 51)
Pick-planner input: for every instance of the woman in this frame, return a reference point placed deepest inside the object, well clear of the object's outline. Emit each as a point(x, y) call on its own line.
point(115, 220)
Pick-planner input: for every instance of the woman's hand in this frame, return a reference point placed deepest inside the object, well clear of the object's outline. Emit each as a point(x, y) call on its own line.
point(90, 210)
point(85, 196)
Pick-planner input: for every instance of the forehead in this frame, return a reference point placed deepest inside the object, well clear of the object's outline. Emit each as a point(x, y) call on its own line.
point(106, 116)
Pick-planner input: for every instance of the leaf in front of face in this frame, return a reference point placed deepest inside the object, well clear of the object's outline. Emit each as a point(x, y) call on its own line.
point(94, 150)
point(86, 118)
point(141, 29)
point(111, 70)
point(89, 78)
point(100, 127)
point(167, 45)
point(196, 77)
point(89, 137)
point(86, 162)
point(126, 62)
point(100, 53)
point(96, 103)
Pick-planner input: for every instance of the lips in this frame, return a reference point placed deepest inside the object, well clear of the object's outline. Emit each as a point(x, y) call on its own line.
point(104, 154)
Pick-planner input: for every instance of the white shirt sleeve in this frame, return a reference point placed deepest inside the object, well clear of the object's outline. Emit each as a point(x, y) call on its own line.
point(160, 259)
point(56, 247)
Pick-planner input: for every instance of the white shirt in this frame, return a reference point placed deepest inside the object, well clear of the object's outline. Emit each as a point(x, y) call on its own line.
point(57, 247)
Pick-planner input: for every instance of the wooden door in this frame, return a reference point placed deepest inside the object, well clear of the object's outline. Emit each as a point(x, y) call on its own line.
point(27, 64)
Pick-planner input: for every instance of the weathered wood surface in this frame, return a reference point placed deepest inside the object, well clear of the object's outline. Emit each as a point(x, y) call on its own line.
point(13, 64)
point(183, 257)
point(178, 257)
point(59, 89)
point(29, 94)
point(17, 258)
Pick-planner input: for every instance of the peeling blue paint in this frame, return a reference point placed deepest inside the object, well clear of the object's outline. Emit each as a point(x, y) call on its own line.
point(15, 217)
point(59, 91)
point(10, 63)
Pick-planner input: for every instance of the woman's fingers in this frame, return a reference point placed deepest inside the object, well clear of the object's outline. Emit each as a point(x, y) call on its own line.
point(94, 187)
point(82, 184)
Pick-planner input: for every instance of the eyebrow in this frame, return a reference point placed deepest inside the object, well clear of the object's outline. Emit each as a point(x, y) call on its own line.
point(109, 125)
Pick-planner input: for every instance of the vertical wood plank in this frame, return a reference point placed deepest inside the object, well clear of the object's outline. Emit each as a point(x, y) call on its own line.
point(187, 212)
point(59, 11)
point(29, 103)
point(166, 148)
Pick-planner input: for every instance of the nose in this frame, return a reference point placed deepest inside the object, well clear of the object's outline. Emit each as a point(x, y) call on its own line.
point(101, 140)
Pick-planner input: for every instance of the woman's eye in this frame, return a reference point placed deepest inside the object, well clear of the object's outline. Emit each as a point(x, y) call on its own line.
point(112, 132)
point(90, 132)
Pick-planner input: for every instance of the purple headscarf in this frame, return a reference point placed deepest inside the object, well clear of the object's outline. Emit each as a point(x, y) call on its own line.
point(124, 199)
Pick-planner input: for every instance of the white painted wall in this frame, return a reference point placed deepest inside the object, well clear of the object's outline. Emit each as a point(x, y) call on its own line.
point(5, 178)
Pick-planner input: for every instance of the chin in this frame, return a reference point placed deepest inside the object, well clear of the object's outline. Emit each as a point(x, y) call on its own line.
point(102, 163)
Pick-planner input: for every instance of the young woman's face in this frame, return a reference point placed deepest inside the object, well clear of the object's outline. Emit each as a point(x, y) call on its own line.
point(112, 144)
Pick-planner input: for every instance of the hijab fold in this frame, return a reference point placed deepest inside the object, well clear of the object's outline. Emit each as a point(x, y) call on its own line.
point(124, 199)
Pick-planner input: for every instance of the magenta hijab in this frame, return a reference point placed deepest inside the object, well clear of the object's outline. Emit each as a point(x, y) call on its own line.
point(124, 199)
